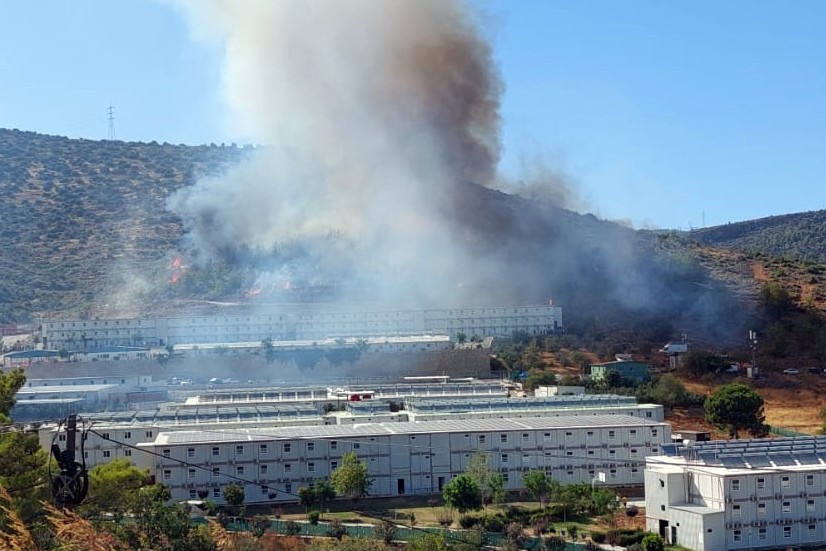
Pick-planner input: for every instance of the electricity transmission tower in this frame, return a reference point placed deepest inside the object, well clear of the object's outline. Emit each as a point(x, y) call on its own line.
point(111, 112)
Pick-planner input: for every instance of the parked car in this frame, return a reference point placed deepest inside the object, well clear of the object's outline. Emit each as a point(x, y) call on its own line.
point(791, 371)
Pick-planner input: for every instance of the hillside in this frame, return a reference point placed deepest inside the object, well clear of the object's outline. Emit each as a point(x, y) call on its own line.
point(800, 236)
point(86, 232)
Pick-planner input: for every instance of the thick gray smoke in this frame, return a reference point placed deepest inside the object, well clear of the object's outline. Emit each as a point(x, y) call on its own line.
point(374, 114)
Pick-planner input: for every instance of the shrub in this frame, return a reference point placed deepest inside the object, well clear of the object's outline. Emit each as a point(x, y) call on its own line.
point(292, 528)
point(468, 521)
point(631, 511)
point(513, 533)
point(445, 518)
point(313, 517)
point(336, 529)
point(634, 538)
point(385, 530)
point(493, 523)
point(598, 537)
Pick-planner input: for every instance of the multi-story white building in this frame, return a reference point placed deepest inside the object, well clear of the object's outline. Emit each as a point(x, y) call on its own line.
point(402, 458)
point(753, 494)
point(294, 322)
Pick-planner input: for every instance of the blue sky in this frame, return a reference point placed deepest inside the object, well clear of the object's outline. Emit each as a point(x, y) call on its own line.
point(662, 113)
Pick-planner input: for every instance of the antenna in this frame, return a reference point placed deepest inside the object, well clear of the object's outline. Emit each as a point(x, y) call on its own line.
point(111, 112)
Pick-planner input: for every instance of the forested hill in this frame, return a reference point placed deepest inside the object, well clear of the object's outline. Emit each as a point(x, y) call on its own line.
point(74, 211)
point(800, 236)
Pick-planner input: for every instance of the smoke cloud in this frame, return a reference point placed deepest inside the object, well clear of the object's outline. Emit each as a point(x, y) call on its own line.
point(375, 114)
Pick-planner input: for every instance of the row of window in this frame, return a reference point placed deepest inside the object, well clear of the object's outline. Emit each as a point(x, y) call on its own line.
point(762, 533)
point(760, 482)
point(785, 507)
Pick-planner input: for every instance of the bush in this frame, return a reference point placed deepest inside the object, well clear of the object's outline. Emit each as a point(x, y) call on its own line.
point(292, 528)
point(598, 537)
point(626, 539)
point(493, 523)
point(445, 518)
point(313, 517)
point(386, 531)
point(631, 511)
point(336, 529)
point(468, 521)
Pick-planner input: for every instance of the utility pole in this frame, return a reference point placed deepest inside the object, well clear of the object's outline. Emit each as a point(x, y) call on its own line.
point(111, 113)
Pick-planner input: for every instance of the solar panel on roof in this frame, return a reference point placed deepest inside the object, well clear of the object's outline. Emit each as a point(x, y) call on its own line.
point(757, 461)
point(732, 461)
point(708, 458)
point(807, 458)
point(782, 459)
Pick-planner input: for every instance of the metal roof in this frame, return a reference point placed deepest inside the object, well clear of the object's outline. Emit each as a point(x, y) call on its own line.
point(760, 453)
point(385, 429)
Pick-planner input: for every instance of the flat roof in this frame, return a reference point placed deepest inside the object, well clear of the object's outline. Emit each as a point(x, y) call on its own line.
point(386, 429)
point(64, 389)
point(696, 509)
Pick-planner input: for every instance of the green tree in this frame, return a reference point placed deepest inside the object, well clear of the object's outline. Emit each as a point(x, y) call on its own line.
point(652, 542)
point(113, 488)
point(351, 479)
point(477, 468)
point(495, 491)
point(703, 361)
point(385, 531)
point(736, 407)
point(775, 300)
point(307, 498)
point(463, 494)
point(156, 520)
point(540, 486)
point(461, 337)
point(10, 383)
point(234, 496)
point(324, 491)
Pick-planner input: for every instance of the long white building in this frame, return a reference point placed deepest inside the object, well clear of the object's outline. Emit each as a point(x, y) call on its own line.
point(402, 458)
point(299, 322)
point(753, 494)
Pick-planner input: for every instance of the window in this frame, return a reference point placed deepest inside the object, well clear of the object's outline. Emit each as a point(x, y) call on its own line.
point(810, 480)
point(127, 453)
point(239, 470)
point(239, 450)
point(633, 452)
point(61, 437)
point(505, 477)
point(193, 494)
point(526, 458)
point(107, 453)
point(356, 446)
point(288, 468)
point(787, 531)
point(149, 434)
point(785, 482)
point(810, 505)
point(648, 414)
point(216, 450)
point(127, 435)
point(288, 488)
point(167, 474)
point(590, 452)
point(525, 437)
point(216, 471)
point(655, 432)
point(590, 433)
point(569, 453)
point(190, 452)
point(503, 438)
point(310, 446)
point(787, 506)
point(612, 453)
point(481, 438)
point(333, 445)
point(263, 470)
point(264, 490)
point(735, 485)
point(504, 458)
point(569, 436)
point(612, 473)
point(761, 509)
point(165, 453)
point(761, 533)
point(812, 530)
point(262, 449)
point(216, 493)
point(633, 433)
point(333, 465)
point(738, 535)
point(735, 511)
point(612, 434)
point(190, 474)
point(310, 467)
point(761, 483)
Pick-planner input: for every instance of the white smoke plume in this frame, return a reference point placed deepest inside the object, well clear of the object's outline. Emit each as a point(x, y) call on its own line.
point(373, 114)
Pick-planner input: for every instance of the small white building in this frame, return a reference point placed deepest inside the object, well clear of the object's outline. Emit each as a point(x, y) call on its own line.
point(752, 494)
point(403, 458)
point(557, 390)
